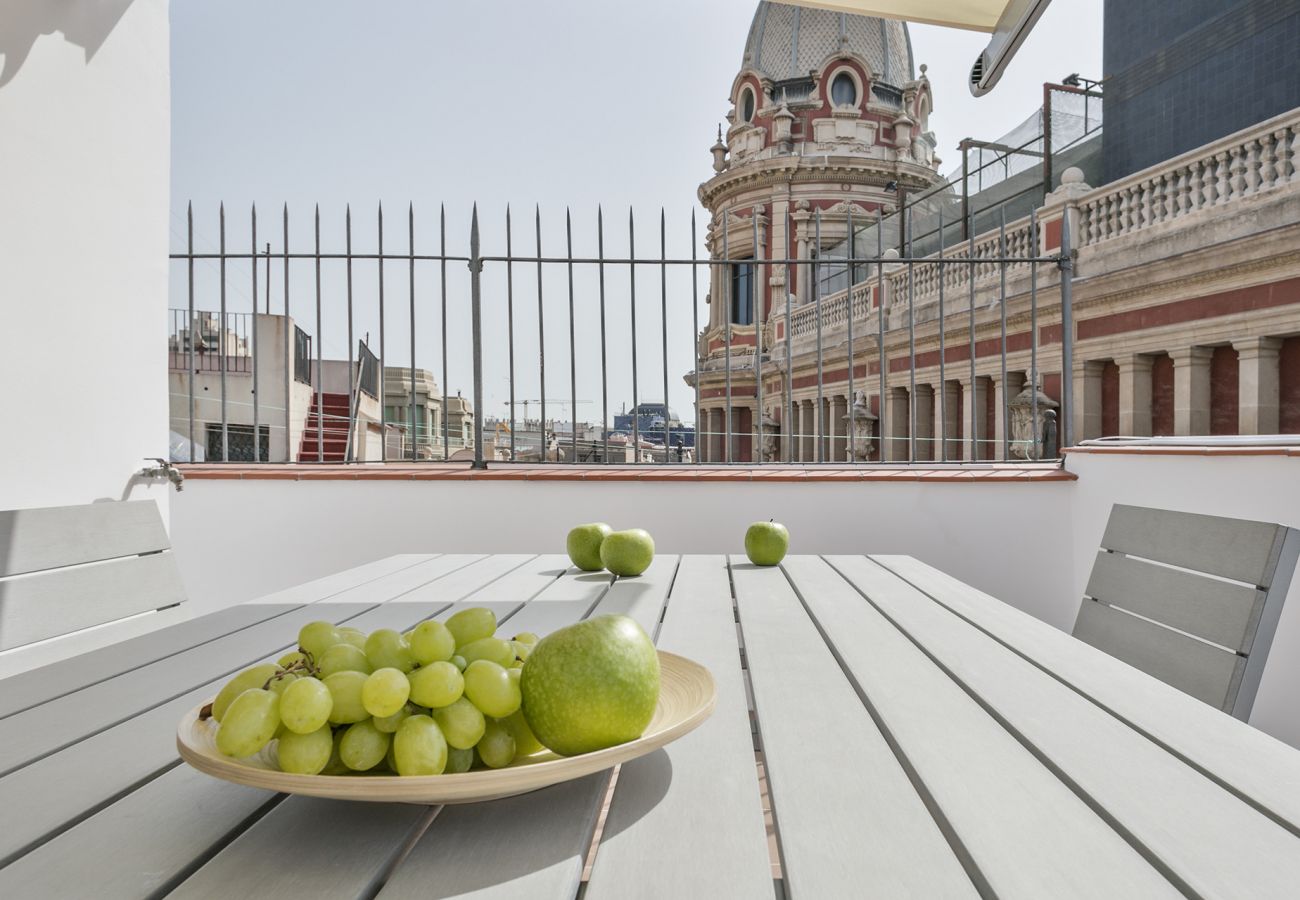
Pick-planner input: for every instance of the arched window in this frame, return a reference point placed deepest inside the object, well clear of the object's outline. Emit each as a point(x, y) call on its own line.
point(844, 92)
point(747, 105)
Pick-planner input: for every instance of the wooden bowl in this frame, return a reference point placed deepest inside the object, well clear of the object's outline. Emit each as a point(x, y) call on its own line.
point(686, 698)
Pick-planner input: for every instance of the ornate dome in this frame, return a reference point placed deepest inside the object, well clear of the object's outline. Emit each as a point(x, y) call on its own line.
point(787, 42)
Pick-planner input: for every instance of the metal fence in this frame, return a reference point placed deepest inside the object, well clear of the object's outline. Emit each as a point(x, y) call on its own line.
point(525, 280)
point(218, 343)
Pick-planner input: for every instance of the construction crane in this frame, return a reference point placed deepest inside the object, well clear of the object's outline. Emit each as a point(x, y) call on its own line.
point(559, 402)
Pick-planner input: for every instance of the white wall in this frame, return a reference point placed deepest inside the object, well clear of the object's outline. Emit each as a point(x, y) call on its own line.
point(85, 120)
point(239, 539)
point(1264, 488)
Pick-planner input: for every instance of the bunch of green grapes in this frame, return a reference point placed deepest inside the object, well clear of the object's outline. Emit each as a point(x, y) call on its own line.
point(443, 697)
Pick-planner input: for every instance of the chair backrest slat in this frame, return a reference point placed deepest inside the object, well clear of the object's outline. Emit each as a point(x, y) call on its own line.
point(1206, 672)
point(1192, 599)
point(1222, 612)
point(1229, 548)
point(32, 540)
point(70, 567)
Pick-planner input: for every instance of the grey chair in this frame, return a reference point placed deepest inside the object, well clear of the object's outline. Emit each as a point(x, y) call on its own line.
point(1193, 600)
point(81, 566)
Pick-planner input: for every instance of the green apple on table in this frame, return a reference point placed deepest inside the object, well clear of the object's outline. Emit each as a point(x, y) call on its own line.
point(627, 553)
point(591, 685)
point(766, 543)
point(584, 545)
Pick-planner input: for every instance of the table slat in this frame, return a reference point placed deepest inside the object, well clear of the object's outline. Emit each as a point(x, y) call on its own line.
point(40, 685)
point(1256, 766)
point(696, 802)
point(310, 848)
point(44, 729)
point(62, 788)
point(848, 818)
point(253, 864)
point(140, 844)
point(1196, 833)
point(335, 582)
point(1027, 834)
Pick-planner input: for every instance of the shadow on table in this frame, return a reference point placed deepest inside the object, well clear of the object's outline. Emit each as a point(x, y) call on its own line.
point(531, 845)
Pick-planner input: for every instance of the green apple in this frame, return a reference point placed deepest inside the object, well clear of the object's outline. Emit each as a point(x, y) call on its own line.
point(591, 685)
point(766, 543)
point(628, 552)
point(584, 545)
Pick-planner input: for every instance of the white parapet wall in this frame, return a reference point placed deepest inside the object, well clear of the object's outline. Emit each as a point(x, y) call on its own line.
point(85, 118)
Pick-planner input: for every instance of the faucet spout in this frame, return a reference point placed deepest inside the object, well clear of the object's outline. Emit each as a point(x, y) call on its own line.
point(164, 469)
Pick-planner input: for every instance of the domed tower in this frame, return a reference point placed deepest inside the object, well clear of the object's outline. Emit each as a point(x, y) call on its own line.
point(828, 124)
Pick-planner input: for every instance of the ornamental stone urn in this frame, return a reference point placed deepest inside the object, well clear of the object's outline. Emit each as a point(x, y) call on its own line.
point(1026, 431)
point(863, 421)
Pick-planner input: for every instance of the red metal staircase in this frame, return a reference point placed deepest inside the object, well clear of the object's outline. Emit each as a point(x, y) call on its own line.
point(331, 422)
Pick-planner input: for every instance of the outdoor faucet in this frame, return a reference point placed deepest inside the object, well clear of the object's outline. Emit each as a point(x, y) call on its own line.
point(164, 469)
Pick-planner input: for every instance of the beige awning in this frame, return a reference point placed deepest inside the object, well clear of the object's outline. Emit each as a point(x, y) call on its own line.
point(975, 15)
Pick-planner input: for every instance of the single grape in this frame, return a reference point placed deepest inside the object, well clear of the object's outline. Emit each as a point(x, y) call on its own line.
point(431, 642)
point(336, 766)
point(317, 637)
point(281, 682)
point(526, 743)
point(495, 649)
point(345, 690)
point(497, 746)
point(363, 746)
point(249, 723)
point(354, 636)
point(386, 649)
point(459, 662)
point(246, 680)
point(343, 657)
point(521, 650)
point(419, 747)
point(526, 637)
point(385, 692)
point(461, 723)
point(306, 705)
point(459, 760)
point(437, 684)
point(293, 657)
point(305, 754)
point(489, 687)
point(470, 625)
point(390, 724)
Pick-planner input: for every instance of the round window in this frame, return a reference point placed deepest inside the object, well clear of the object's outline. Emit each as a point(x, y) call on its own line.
point(844, 92)
point(747, 105)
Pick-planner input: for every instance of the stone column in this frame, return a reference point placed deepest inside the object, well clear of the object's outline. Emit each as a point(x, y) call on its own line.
point(1191, 390)
point(1087, 400)
point(839, 428)
point(1134, 395)
point(923, 408)
point(952, 418)
point(1257, 385)
point(1002, 395)
point(974, 395)
point(808, 432)
point(898, 424)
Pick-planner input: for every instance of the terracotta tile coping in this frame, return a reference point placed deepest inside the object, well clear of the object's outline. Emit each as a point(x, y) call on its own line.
point(1185, 451)
point(533, 472)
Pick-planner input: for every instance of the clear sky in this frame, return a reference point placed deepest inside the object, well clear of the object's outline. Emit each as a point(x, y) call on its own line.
point(569, 103)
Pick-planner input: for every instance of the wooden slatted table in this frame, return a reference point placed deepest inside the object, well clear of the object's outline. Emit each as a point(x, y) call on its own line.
point(918, 739)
